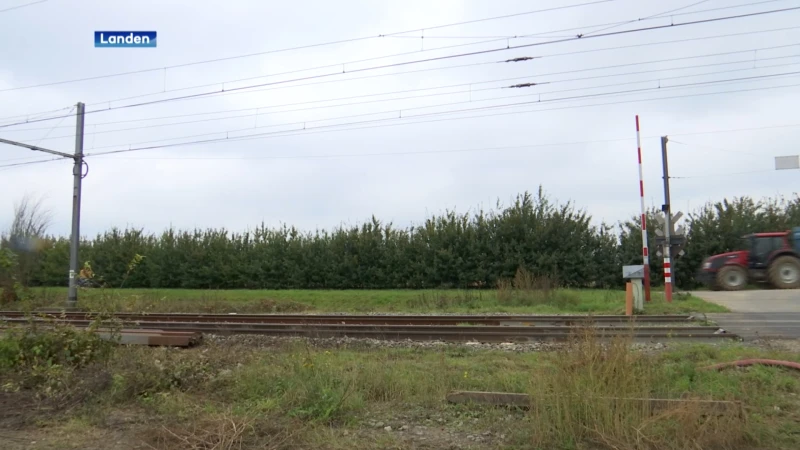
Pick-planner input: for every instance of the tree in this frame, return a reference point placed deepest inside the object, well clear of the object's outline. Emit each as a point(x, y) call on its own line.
point(27, 235)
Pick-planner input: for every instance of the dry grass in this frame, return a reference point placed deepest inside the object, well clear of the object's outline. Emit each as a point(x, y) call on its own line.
point(447, 300)
point(527, 289)
point(225, 430)
point(597, 392)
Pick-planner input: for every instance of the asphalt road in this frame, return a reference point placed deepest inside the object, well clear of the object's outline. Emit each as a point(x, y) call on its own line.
point(762, 313)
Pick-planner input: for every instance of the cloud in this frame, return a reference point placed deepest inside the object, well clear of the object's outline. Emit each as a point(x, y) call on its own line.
point(404, 171)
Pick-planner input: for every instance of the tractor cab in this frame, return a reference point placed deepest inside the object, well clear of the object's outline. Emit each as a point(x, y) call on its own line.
point(762, 246)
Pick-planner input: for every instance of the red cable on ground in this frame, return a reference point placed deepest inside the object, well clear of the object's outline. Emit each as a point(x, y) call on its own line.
point(750, 362)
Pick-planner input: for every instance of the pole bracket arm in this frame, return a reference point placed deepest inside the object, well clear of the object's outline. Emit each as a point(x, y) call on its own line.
point(38, 149)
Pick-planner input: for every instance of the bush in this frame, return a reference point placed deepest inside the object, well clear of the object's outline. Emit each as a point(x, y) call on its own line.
point(37, 345)
point(8, 280)
point(450, 250)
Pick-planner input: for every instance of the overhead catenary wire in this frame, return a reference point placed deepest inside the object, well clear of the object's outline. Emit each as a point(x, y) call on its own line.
point(653, 16)
point(480, 52)
point(304, 123)
point(45, 137)
point(613, 33)
point(310, 131)
point(731, 130)
point(470, 101)
point(625, 22)
point(341, 41)
point(673, 141)
point(537, 76)
point(724, 174)
point(24, 5)
point(569, 53)
point(481, 116)
point(284, 133)
point(458, 66)
point(395, 34)
point(421, 152)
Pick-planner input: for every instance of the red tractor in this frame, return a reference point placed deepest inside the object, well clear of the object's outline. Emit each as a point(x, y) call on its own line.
point(763, 257)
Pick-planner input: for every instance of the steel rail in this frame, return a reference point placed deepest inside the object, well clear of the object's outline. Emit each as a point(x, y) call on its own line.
point(450, 333)
point(371, 319)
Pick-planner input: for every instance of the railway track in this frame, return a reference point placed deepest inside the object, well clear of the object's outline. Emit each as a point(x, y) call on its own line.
point(496, 320)
point(420, 328)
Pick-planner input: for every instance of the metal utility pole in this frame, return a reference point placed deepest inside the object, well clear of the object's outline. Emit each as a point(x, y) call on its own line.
point(77, 174)
point(668, 223)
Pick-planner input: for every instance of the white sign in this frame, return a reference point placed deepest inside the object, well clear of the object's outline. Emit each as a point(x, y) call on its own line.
point(633, 272)
point(787, 162)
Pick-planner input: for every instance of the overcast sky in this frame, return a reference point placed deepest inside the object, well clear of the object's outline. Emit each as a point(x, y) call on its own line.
point(378, 160)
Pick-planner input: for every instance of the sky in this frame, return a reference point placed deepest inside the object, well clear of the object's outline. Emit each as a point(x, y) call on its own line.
point(343, 131)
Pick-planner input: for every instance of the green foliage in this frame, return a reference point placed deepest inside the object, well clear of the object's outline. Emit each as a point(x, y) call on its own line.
point(62, 345)
point(148, 375)
point(451, 250)
point(45, 357)
point(8, 279)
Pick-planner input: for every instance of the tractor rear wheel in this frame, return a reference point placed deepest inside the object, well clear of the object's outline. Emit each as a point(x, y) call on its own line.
point(784, 272)
point(732, 278)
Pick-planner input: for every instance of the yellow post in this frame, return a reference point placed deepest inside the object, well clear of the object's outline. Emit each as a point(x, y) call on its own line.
point(628, 298)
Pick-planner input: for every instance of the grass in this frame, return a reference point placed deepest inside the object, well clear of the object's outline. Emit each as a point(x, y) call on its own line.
point(508, 299)
point(237, 395)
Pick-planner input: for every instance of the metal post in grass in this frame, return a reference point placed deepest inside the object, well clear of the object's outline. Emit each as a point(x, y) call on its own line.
point(668, 221)
point(78, 175)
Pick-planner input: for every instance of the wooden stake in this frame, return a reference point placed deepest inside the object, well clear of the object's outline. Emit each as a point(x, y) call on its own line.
point(628, 298)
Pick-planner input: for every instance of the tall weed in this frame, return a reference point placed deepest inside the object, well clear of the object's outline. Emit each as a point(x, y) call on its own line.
point(598, 392)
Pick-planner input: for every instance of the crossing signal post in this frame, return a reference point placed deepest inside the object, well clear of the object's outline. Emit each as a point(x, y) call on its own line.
point(670, 239)
point(677, 242)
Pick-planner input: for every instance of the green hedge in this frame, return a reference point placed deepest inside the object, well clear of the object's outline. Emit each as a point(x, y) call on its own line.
point(449, 250)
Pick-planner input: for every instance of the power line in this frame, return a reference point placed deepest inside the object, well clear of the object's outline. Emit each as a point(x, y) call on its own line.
point(400, 112)
point(22, 6)
point(257, 113)
point(727, 174)
point(624, 22)
point(304, 132)
point(370, 154)
point(53, 128)
point(108, 102)
point(500, 17)
point(342, 41)
point(30, 115)
point(498, 37)
point(646, 18)
point(673, 141)
point(421, 152)
point(28, 119)
point(544, 56)
point(204, 94)
point(31, 162)
point(480, 116)
point(257, 109)
point(395, 34)
point(480, 52)
point(768, 127)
